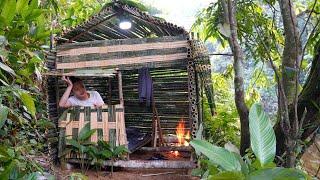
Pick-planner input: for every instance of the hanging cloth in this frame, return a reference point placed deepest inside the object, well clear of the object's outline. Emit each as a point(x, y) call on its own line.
point(145, 86)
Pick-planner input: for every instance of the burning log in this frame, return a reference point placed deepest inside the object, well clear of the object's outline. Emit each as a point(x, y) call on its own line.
point(167, 148)
point(182, 135)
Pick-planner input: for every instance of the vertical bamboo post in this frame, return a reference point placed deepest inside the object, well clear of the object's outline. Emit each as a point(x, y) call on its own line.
point(120, 88)
point(110, 91)
point(122, 129)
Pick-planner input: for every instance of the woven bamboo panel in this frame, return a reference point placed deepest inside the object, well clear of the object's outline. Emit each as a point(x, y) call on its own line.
point(121, 48)
point(117, 53)
point(108, 119)
point(121, 61)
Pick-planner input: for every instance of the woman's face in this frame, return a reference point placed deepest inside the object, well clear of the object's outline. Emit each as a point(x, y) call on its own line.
point(79, 90)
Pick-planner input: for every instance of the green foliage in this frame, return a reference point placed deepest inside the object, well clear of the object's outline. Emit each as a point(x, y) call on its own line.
point(72, 13)
point(232, 166)
point(278, 173)
point(28, 101)
point(109, 151)
point(23, 30)
point(3, 115)
point(77, 176)
point(224, 126)
point(90, 153)
point(219, 156)
point(81, 146)
point(228, 175)
point(262, 136)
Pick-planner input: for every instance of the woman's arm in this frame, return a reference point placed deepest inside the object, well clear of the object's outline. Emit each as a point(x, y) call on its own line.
point(64, 99)
point(99, 101)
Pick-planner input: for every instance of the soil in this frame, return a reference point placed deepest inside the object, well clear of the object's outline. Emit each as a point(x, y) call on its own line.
point(130, 174)
point(134, 173)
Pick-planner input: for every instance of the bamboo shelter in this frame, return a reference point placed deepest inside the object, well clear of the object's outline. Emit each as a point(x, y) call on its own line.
point(108, 60)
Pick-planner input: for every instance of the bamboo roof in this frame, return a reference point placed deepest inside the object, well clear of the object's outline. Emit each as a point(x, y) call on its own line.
point(105, 25)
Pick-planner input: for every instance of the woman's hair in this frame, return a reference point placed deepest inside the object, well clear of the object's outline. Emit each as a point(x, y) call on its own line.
point(75, 79)
point(77, 83)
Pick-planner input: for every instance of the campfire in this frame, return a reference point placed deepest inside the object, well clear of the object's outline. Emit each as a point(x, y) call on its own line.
point(182, 135)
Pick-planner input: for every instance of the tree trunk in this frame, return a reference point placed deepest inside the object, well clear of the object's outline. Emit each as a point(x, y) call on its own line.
point(230, 14)
point(288, 99)
point(309, 99)
point(292, 52)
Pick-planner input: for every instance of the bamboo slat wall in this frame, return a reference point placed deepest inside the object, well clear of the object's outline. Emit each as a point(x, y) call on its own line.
point(203, 70)
point(170, 92)
point(52, 108)
point(171, 99)
point(122, 54)
point(180, 68)
point(170, 76)
point(176, 81)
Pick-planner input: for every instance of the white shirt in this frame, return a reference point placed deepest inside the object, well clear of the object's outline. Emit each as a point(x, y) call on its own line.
point(94, 99)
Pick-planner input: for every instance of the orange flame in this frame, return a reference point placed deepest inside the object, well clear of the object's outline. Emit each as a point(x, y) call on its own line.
point(181, 135)
point(180, 132)
point(176, 153)
point(187, 137)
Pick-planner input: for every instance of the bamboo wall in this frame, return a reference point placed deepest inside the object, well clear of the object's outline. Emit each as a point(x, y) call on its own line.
point(171, 99)
point(170, 93)
point(167, 58)
point(51, 91)
point(175, 65)
point(123, 54)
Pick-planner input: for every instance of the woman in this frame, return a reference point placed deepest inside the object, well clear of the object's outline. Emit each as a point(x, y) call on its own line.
point(81, 97)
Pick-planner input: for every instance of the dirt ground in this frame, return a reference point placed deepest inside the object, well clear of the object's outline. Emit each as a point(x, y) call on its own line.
point(134, 173)
point(131, 174)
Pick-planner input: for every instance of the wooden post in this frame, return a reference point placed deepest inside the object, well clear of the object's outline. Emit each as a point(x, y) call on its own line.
point(110, 91)
point(120, 88)
point(156, 130)
point(122, 135)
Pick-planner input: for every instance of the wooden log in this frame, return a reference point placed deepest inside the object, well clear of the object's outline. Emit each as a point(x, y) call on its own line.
point(153, 164)
point(145, 164)
point(167, 148)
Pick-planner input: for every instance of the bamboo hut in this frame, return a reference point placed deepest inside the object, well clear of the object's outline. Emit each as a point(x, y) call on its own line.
point(108, 60)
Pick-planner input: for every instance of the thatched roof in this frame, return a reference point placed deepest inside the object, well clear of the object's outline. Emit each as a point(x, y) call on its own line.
point(105, 25)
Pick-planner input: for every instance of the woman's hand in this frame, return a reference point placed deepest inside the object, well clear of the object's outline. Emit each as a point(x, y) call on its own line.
point(64, 99)
point(68, 81)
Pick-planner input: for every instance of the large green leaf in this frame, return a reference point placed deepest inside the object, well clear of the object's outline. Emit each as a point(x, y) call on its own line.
point(3, 114)
point(217, 155)
point(278, 173)
point(21, 4)
point(120, 150)
point(9, 10)
point(8, 168)
point(7, 68)
point(73, 143)
point(227, 175)
point(85, 133)
point(262, 137)
point(106, 153)
point(28, 102)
